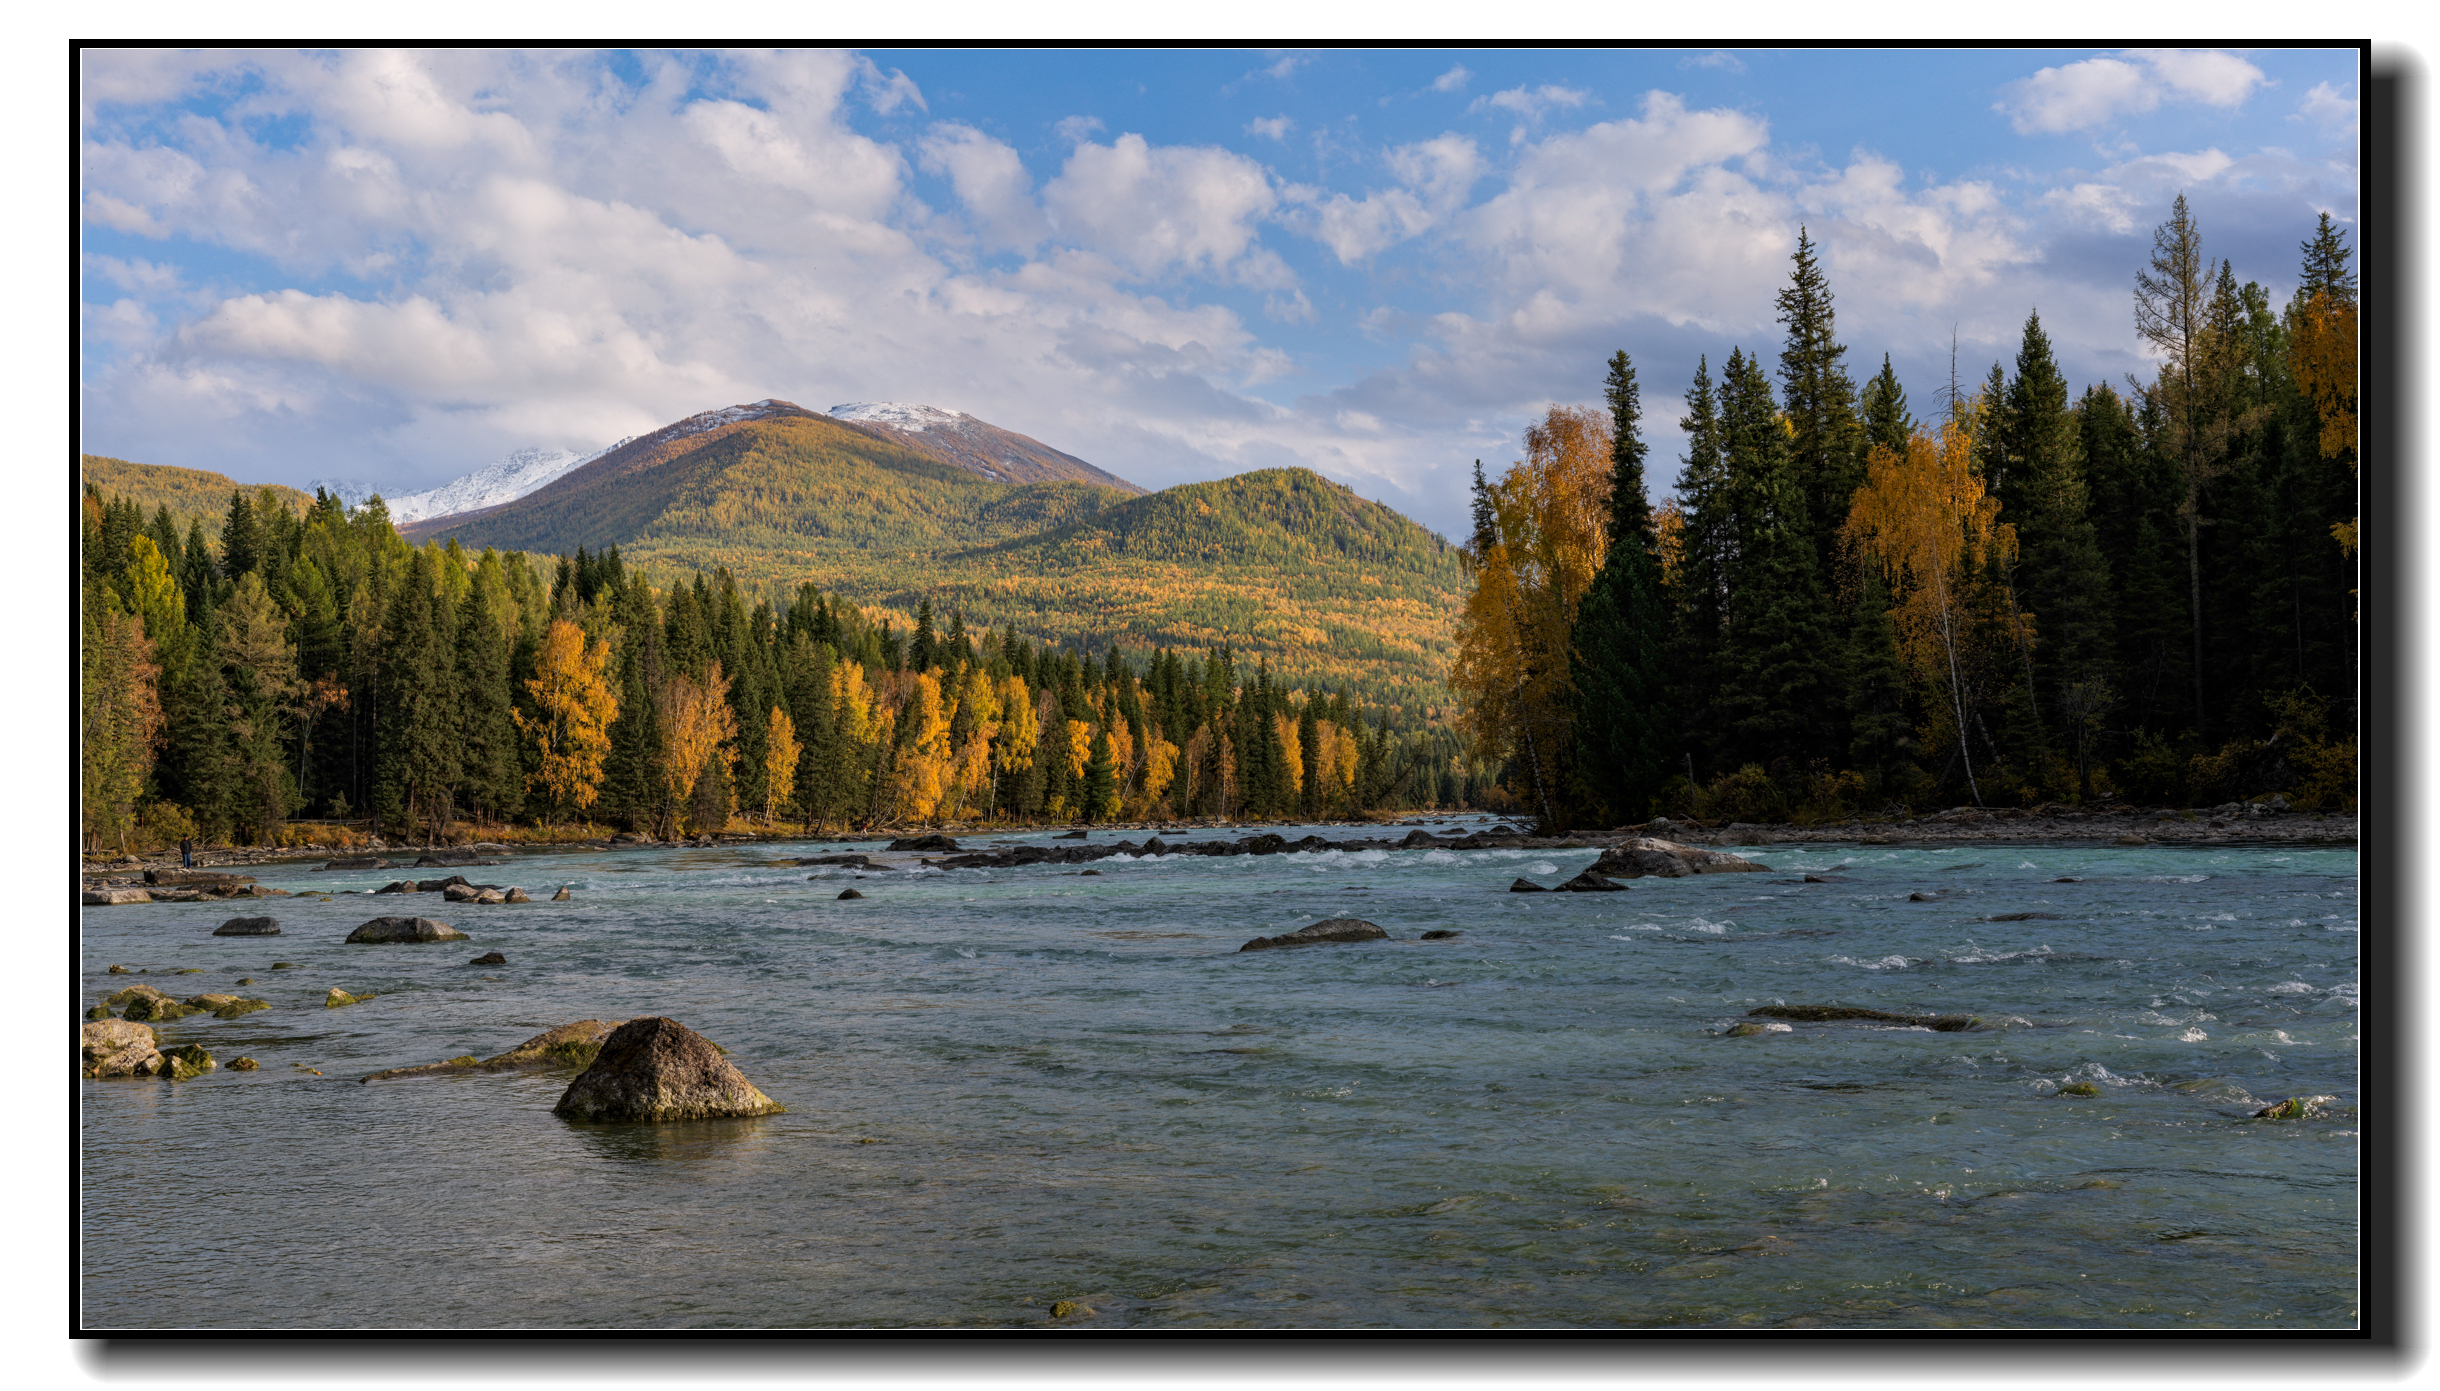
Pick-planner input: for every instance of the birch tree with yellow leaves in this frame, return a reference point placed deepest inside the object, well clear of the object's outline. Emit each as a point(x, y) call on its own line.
point(574, 705)
point(1539, 539)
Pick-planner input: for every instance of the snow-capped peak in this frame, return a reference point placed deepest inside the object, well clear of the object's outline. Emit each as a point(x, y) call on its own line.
point(728, 415)
point(504, 481)
point(897, 414)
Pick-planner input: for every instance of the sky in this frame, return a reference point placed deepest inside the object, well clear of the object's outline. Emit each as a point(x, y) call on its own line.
point(395, 267)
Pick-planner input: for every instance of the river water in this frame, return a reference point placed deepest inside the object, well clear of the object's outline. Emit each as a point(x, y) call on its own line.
point(1009, 1088)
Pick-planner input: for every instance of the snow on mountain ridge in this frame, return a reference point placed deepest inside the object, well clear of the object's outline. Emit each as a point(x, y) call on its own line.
point(903, 415)
point(506, 480)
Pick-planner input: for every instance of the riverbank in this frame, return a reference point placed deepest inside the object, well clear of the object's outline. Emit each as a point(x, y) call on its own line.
point(2231, 824)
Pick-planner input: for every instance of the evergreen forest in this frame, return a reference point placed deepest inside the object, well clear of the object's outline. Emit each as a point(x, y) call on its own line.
point(296, 669)
point(2026, 595)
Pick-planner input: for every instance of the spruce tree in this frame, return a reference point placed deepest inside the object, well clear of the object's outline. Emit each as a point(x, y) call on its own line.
point(1779, 687)
point(490, 767)
point(2064, 581)
point(1826, 443)
point(241, 538)
point(1624, 730)
point(1699, 597)
point(1887, 425)
point(1097, 794)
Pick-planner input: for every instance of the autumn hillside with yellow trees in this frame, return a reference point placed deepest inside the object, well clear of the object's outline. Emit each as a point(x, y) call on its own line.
point(1281, 564)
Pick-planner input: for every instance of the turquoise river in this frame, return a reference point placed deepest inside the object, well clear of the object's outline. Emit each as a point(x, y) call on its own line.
point(1010, 1088)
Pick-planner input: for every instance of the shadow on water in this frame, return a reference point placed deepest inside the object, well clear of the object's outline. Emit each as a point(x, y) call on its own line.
point(683, 1144)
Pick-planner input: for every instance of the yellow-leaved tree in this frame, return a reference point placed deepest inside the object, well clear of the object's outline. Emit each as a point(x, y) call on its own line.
point(574, 706)
point(923, 757)
point(1923, 518)
point(697, 727)
point(122, 718)
point(1540, 535)
point(780, 753)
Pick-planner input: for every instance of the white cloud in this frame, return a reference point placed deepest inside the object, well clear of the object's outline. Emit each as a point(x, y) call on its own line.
point(1270, 127)
point(1156, 209)
point(888, 93)
point(1076, 129)
point(1532, 102)
point(1435, 177)
point(2330, 108)
point(989, 179)
point(2097, 91)
point(1718, 58)
point(1453, 80)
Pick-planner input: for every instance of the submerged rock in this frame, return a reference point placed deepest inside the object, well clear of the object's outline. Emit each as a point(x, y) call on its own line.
point(1071, 835)
point(1918, 896)
point(338, 997)
point(1328, 930)
point(1820, 1014)
point(1442, 934)
point(1589, 883)
point(1525, 886)
point(569, 1045)
point(489, 958)
point(2079, 1089)
point(2296, 1108)
point(562, 896)
point(850, 893)
point(1667, 859)
point(243, 1065)
point(357, 862)
point(1747, 1028)
point(117, 1048)
point(229, 1006)
point(406, 930)
point(248, 927)
point(143, 1002)
point(934, 841)
point(657, 1069)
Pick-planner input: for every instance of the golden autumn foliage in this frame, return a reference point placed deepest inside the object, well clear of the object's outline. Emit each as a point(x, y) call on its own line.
point(1925, 520)
point(122, 723)
point(571, 686)
point(780, 753)
point(1511, 668)
point(696, 727)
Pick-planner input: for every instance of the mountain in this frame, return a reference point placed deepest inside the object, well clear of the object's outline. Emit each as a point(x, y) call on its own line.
point(190, 494)
point(954, 437)
point(509, 479)
point(1282, 563)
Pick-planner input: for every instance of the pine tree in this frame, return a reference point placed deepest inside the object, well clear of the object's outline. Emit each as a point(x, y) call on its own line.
point(1826, 442)
point(241, 538)
point(1623, 723)
point(1887, 425)
point(491, 770)
point(1699, 597)
point(1097, 797)
point(2064, 579)
point(1779, 684)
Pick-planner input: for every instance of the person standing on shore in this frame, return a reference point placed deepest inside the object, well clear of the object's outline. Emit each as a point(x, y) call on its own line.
point(186, 853)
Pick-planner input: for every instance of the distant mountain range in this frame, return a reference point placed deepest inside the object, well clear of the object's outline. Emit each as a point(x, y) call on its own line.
point(889, 504)
point(1280, 563)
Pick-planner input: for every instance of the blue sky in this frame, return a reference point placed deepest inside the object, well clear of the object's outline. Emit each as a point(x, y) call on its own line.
point(396, 267)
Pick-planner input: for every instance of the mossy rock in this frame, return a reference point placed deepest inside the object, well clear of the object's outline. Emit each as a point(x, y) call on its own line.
point(1747, 1028)
point(234, 1008)
point(121, 971)
point(243, 1065)
point(1069, 1309)
point(338, 997)
point(464, 1060)
point(283, 965)
point(2296, 1108)
point(2079, 1089)
point(153, 1011)
point(186, 1061)
point(100, 1012)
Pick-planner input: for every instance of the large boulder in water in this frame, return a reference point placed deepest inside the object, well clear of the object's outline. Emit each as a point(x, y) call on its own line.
point(248, 927)
point(1327, 930)
point(1666, 859)
point(406, 930)
point(116, 1048)
point(656, 1069)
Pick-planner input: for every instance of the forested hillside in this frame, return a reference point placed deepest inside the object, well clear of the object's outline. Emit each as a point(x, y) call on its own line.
point(324, 666)
point(1284, 565)
point(195, 497)
point(2030, 594)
